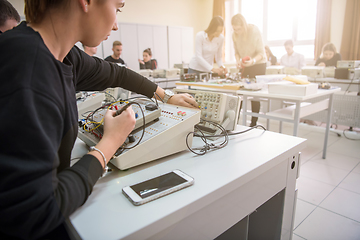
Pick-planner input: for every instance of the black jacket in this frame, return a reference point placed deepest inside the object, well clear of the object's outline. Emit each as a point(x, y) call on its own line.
point(330, 62)
point(152, 64)
point(38, 188)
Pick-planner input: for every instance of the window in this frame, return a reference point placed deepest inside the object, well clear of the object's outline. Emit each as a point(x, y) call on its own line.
point(278, 21)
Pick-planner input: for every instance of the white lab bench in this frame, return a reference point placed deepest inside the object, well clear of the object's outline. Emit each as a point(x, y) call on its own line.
point(166, 83)
point(292, 114)
point(245, 189)
point(344, 84)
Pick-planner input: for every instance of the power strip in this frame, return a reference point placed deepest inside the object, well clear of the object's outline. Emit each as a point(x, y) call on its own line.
point(162, 137)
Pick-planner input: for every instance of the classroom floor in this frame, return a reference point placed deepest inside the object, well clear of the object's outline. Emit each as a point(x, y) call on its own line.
point(328, 202)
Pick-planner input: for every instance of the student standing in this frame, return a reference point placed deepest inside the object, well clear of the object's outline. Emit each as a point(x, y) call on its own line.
point(39, 190)
point(249, 53)
point(208, 45)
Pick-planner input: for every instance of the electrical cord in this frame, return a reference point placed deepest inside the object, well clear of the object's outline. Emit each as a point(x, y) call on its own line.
point(350, 84)
point(143, 126)
point(159, 97)
point(237, 133)
point(106, 93)
point(208, 146)
point(157, 104)
point(211, 146)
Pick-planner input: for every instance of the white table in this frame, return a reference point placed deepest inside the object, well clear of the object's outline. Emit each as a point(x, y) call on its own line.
point(293, 113)
point(344, 84)
point(232, 186)
point(166, 83)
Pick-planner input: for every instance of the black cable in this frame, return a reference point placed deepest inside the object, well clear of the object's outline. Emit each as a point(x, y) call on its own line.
point(157, 104)
point(85, 114)
point(92, 114)
point(143, 132)
point(204, 150)
point(110, 95)
point(224, 133)
point(350, 84)
point(211, 146)
point(159, 97)
point(236, 133)
point(140, 97)
point(207, 146)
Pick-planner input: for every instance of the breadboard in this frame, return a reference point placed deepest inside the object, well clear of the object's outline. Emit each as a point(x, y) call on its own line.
point(149, 115)
point(162, 137)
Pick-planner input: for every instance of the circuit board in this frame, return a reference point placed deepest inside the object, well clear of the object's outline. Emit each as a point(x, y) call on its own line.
point(164, 134)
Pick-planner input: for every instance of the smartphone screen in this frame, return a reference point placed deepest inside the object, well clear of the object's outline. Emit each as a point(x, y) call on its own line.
point(158, 184)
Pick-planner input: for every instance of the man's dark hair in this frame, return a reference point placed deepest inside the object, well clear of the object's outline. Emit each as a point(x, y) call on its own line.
point(7, 11)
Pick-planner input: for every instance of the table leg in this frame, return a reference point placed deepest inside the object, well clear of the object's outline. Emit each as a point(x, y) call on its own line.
point(280, 124)
point(267, 119)
point(244, 110)
point(328, 122)
point(296, 118)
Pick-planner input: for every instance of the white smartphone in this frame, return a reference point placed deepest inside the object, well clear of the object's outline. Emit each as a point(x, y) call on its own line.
point(157, 187)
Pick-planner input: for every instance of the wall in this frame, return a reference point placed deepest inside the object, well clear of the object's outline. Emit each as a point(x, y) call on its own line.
point(194, 13)
point(189, 13)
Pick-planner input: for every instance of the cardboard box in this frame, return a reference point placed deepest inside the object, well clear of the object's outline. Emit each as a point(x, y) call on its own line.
point(289, 88)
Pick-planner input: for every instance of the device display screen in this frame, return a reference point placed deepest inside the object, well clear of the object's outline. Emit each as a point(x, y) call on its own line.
point(158, 184)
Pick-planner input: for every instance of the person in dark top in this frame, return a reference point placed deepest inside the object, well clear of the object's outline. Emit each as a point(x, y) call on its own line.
point(115, 57)
point(39, 189)
point(270, 56)
point(329, 56)
point(9, 17)
point(147, 63)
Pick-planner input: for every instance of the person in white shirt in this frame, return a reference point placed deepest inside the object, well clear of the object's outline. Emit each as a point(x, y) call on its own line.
point(208, 45)
point(292, 59)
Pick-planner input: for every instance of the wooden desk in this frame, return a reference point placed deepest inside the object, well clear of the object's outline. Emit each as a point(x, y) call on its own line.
point(232, 186)
point(294, 113)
